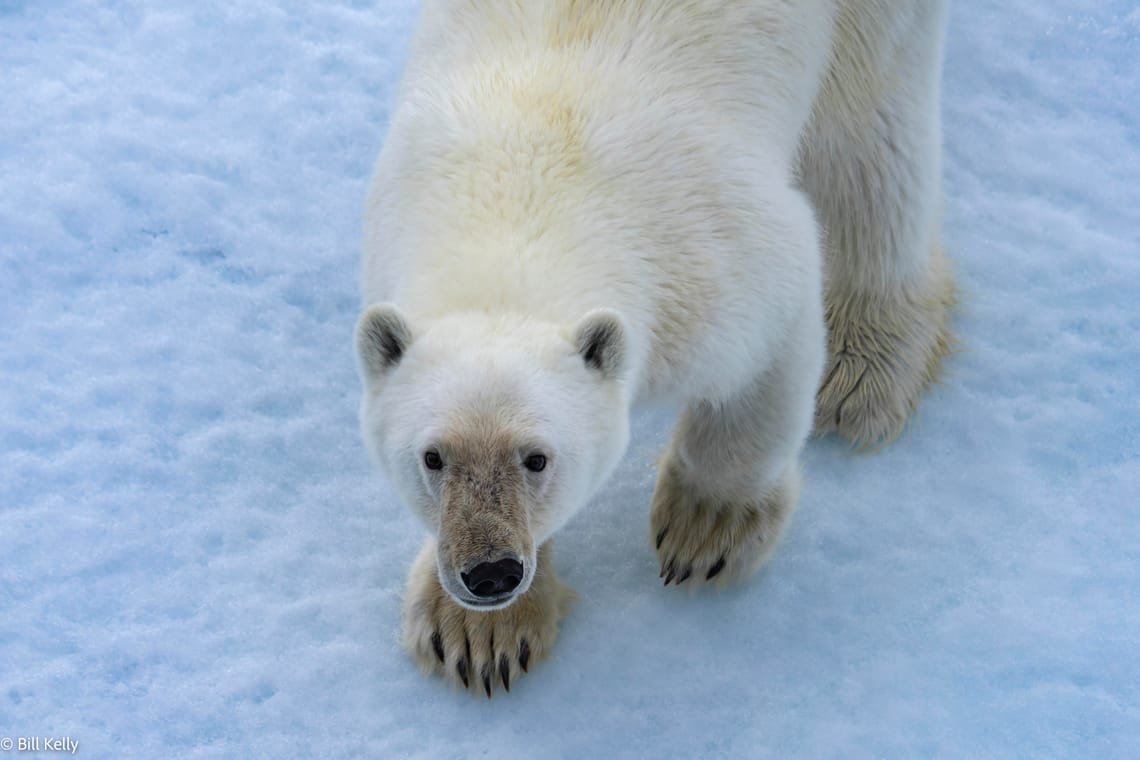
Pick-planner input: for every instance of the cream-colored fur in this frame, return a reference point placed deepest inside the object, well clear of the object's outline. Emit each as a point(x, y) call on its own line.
point(870, 160)
point(583, 204)
point(883, 354)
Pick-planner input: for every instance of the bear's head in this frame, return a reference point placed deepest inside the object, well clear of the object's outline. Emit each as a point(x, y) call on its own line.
point(495, 430)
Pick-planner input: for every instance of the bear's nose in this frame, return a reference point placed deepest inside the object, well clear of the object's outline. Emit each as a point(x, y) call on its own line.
point(494, 578)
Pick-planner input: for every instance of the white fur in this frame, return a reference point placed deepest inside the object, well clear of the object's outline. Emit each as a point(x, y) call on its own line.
point(464, 367)
point(666, 160)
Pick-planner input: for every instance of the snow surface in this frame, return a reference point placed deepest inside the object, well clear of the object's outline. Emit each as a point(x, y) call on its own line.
point(198, 559)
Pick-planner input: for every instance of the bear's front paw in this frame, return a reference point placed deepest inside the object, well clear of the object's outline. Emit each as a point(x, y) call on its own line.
point(476, 648)
point(713, 539)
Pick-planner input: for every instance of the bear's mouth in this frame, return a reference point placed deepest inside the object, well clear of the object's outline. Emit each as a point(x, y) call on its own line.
point(488, 586)
point(483, 604)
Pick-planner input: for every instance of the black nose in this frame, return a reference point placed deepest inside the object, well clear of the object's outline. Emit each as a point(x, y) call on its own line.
point(494, 578)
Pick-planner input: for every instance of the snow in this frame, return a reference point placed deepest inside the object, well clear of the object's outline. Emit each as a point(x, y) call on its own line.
point(200, 561)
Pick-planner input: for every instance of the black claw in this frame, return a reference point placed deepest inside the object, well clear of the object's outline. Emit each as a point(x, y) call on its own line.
point(669, 577)
point(461, 669)
point(685, 575)
point(715, 569)
point(661, 536)
point(505, 671)
point(487, 679)
point(437, 645)
point(524, 654)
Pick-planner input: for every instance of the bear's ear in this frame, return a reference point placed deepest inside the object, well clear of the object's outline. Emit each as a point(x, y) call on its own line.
point(382, 337)
point(600, 339)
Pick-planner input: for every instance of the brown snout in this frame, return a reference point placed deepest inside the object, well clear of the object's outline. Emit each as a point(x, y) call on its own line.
point(483, 545)
point(484, 538)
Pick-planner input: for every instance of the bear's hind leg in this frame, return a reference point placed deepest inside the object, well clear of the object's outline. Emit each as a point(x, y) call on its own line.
point(883, 351)
point(871, 163)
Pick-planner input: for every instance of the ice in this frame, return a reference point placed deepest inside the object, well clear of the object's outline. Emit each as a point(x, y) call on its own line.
point(198, 559)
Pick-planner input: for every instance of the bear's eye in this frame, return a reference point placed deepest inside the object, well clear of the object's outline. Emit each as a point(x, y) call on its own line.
point(535, 463)
point(432, 460)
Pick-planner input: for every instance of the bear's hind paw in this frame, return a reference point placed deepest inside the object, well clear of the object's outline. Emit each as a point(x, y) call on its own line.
point(882, 357)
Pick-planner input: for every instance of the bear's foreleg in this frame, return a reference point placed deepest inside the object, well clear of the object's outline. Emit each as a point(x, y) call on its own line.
point(479, 649)
point(730, 478)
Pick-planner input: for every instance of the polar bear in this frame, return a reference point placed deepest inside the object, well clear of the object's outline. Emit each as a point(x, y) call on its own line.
point(728, 205)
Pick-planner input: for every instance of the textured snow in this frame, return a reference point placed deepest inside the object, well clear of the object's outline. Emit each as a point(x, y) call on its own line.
point(198, 559)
